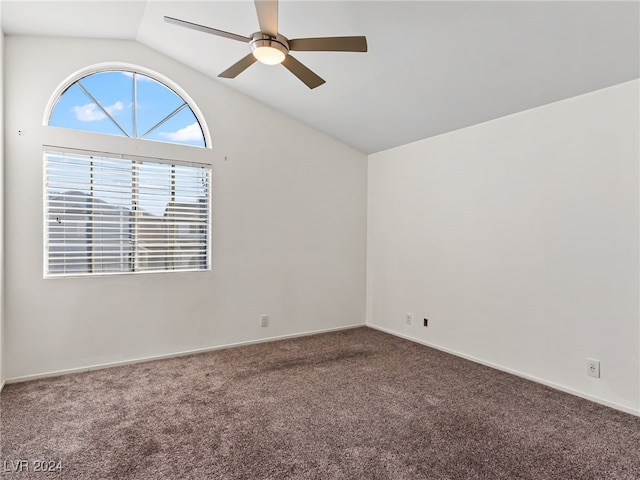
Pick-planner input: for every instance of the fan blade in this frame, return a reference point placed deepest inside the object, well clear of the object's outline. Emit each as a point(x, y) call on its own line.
point(237, 68)
point(202, 28)
point(267, 11)
point(309, 78)
point(329, 44)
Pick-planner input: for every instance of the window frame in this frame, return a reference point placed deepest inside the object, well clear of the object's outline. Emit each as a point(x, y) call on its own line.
point(126, 67)
point(61, 139)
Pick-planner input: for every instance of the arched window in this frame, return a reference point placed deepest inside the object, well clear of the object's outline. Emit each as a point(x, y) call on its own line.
point(129, 104)
point(110, 212)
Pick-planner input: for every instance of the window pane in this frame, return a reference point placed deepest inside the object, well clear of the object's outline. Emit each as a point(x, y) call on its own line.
point(77, 111)
point(181, 128)
point(188, 214)
point(89, 214)
point(114, 92)
point(155, 103)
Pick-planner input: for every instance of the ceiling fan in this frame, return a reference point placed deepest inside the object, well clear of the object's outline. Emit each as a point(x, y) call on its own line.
point(270, 47)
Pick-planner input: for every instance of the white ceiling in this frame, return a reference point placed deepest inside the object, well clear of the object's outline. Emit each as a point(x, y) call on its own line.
point(432, 67)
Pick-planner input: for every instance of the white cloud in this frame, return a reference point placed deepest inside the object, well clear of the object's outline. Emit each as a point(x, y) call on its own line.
point(92, 113)
point(190, 132)
point(88, 113)
point(115, 108)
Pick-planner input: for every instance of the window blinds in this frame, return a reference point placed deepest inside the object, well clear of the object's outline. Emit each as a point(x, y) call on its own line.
point(107, 214)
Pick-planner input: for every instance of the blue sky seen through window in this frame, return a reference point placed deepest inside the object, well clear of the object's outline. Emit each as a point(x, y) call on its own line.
point(104, 103)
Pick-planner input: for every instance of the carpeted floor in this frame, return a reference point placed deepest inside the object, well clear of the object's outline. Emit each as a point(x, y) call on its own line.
point(355, 404)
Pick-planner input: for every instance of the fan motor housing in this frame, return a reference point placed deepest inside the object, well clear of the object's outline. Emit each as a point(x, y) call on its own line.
point(278, 42)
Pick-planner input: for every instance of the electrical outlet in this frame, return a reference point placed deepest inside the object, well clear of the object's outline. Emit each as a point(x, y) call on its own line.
point(593, 368)
point(408, 318)
point(264, 320)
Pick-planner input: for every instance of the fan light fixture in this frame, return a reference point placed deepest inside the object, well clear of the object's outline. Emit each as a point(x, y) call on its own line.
point(268, 55)
point(269, 50)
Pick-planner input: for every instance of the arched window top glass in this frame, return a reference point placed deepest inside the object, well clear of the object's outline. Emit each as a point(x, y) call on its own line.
point(130, 104)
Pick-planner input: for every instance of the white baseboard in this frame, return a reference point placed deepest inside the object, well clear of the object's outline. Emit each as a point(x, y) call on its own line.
point(2, 385)
point(183, 353)
point(555, 386)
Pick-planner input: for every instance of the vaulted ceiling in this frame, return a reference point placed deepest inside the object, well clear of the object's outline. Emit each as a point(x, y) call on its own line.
point(432, 67)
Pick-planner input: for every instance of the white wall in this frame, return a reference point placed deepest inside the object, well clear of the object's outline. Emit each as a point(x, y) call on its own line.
point(1, 203)
point(519, 240)
point(289, 227)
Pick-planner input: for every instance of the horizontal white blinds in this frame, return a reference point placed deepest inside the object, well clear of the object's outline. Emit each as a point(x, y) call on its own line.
point(105, 214)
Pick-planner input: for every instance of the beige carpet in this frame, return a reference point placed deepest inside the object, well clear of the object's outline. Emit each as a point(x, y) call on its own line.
point(356, 404)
